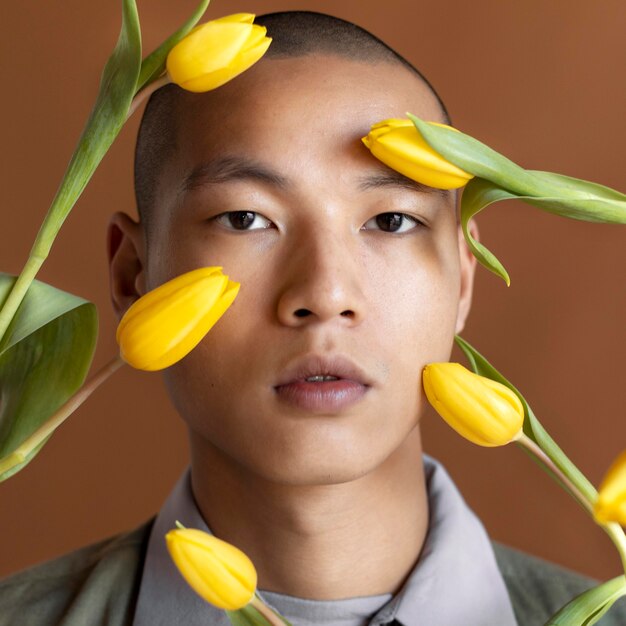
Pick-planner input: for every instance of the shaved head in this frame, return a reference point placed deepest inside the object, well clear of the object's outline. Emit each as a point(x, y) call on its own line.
point(294, 34)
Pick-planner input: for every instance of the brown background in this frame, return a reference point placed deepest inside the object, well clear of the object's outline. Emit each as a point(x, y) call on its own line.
point(542, 81)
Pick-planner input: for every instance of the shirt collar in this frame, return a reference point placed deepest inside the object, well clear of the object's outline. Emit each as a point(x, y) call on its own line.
point(456, 578)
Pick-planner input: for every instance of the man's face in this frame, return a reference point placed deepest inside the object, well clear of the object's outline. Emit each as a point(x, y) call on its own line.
point(338, 259)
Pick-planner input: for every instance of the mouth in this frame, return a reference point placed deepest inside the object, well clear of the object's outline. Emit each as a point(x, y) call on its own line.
point(322, 385)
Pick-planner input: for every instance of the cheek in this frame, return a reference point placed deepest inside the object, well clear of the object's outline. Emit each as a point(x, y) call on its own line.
point(418, 299)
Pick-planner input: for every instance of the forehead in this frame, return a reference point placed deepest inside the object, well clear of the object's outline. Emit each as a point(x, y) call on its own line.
point(302, 118)
point(315, 102)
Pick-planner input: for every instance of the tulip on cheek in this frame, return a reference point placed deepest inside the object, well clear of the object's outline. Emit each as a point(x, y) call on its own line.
point(399, 145)
point(165, 324)
point(215, 52)
point(610, 505)
point(478, 408)
point(217, 571)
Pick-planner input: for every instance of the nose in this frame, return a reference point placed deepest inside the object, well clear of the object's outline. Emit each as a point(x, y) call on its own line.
point(323, 282)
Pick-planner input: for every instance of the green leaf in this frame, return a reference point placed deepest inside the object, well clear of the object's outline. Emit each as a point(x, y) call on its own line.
point(154, 64)
point(587, 608)
point(476, 158)
point(44, 358)
point(249, 616)
point(117, 89)
point(532, 427)
point(563, 195)
point(478, 194)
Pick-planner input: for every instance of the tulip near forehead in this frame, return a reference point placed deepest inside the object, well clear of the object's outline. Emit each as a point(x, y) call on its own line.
point(215, 52)
point(398, 144)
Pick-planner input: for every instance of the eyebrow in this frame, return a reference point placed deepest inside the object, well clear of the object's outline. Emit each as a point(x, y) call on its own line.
point(231, 168)
point(238, 168)
point(391, 178)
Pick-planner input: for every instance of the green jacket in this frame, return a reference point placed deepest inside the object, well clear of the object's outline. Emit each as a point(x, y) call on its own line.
point(98, 586)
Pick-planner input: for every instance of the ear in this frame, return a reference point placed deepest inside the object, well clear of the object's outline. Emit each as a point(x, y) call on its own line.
point(468, 266)
point(126, 254)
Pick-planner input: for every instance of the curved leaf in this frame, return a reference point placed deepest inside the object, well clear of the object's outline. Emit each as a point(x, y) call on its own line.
point(44, 358)
point(588, 607)
point(154, 64)
point(478, 194)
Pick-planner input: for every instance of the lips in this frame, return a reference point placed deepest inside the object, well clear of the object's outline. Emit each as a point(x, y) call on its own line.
point(316, 365)
point(325, 397)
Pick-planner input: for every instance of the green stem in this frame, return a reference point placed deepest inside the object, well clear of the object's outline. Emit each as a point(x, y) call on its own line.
point(266, 612)
point(35, 260)
point(20, 454)
point(65, 198)
point(528, 443)
point(146, 92)
point(614, 530)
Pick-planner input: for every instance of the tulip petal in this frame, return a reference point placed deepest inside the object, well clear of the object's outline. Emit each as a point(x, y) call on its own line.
point(164, 291)
point(481, 410)
point(217, 78)
point(200, 329)
point(218, 571)
point(399, 145)
point(206, 49)
point(168, 322)
point(610, 505)
point(241, 18)
point(216, 52)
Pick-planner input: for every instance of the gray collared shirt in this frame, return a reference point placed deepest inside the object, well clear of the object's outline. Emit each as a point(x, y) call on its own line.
point(455, 581)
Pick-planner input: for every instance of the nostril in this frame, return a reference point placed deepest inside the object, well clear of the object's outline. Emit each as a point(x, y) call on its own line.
point(347, 313)
point(302, 313)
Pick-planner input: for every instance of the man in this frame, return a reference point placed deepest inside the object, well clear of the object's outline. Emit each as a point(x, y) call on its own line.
point(303, 403)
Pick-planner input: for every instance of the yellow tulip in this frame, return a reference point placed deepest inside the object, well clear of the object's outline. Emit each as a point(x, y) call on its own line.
point(610, 505)
point(216, 570)
point(166, 323)
point(399, 145)
point(478, 408)
point(215, 52)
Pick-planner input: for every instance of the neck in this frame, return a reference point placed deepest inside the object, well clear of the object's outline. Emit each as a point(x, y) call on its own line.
point(306, 541)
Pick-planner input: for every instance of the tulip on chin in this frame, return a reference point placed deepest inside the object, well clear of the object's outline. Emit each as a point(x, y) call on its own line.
point(478, 408)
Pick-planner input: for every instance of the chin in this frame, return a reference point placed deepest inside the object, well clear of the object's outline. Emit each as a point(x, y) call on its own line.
point(322, 462)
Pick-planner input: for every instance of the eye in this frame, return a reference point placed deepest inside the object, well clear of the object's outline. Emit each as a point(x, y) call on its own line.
point(243, 220)
point(392, 222)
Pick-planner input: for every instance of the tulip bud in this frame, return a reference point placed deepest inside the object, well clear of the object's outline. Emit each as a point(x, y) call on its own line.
point(216, 570)
point(610, 505)
point(215, 52)
point(399, 145)
point(478, 408)
point(166, 323)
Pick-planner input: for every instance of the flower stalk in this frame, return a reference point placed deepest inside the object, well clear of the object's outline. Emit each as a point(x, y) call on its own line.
point(266, 612)
point(21, 453)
